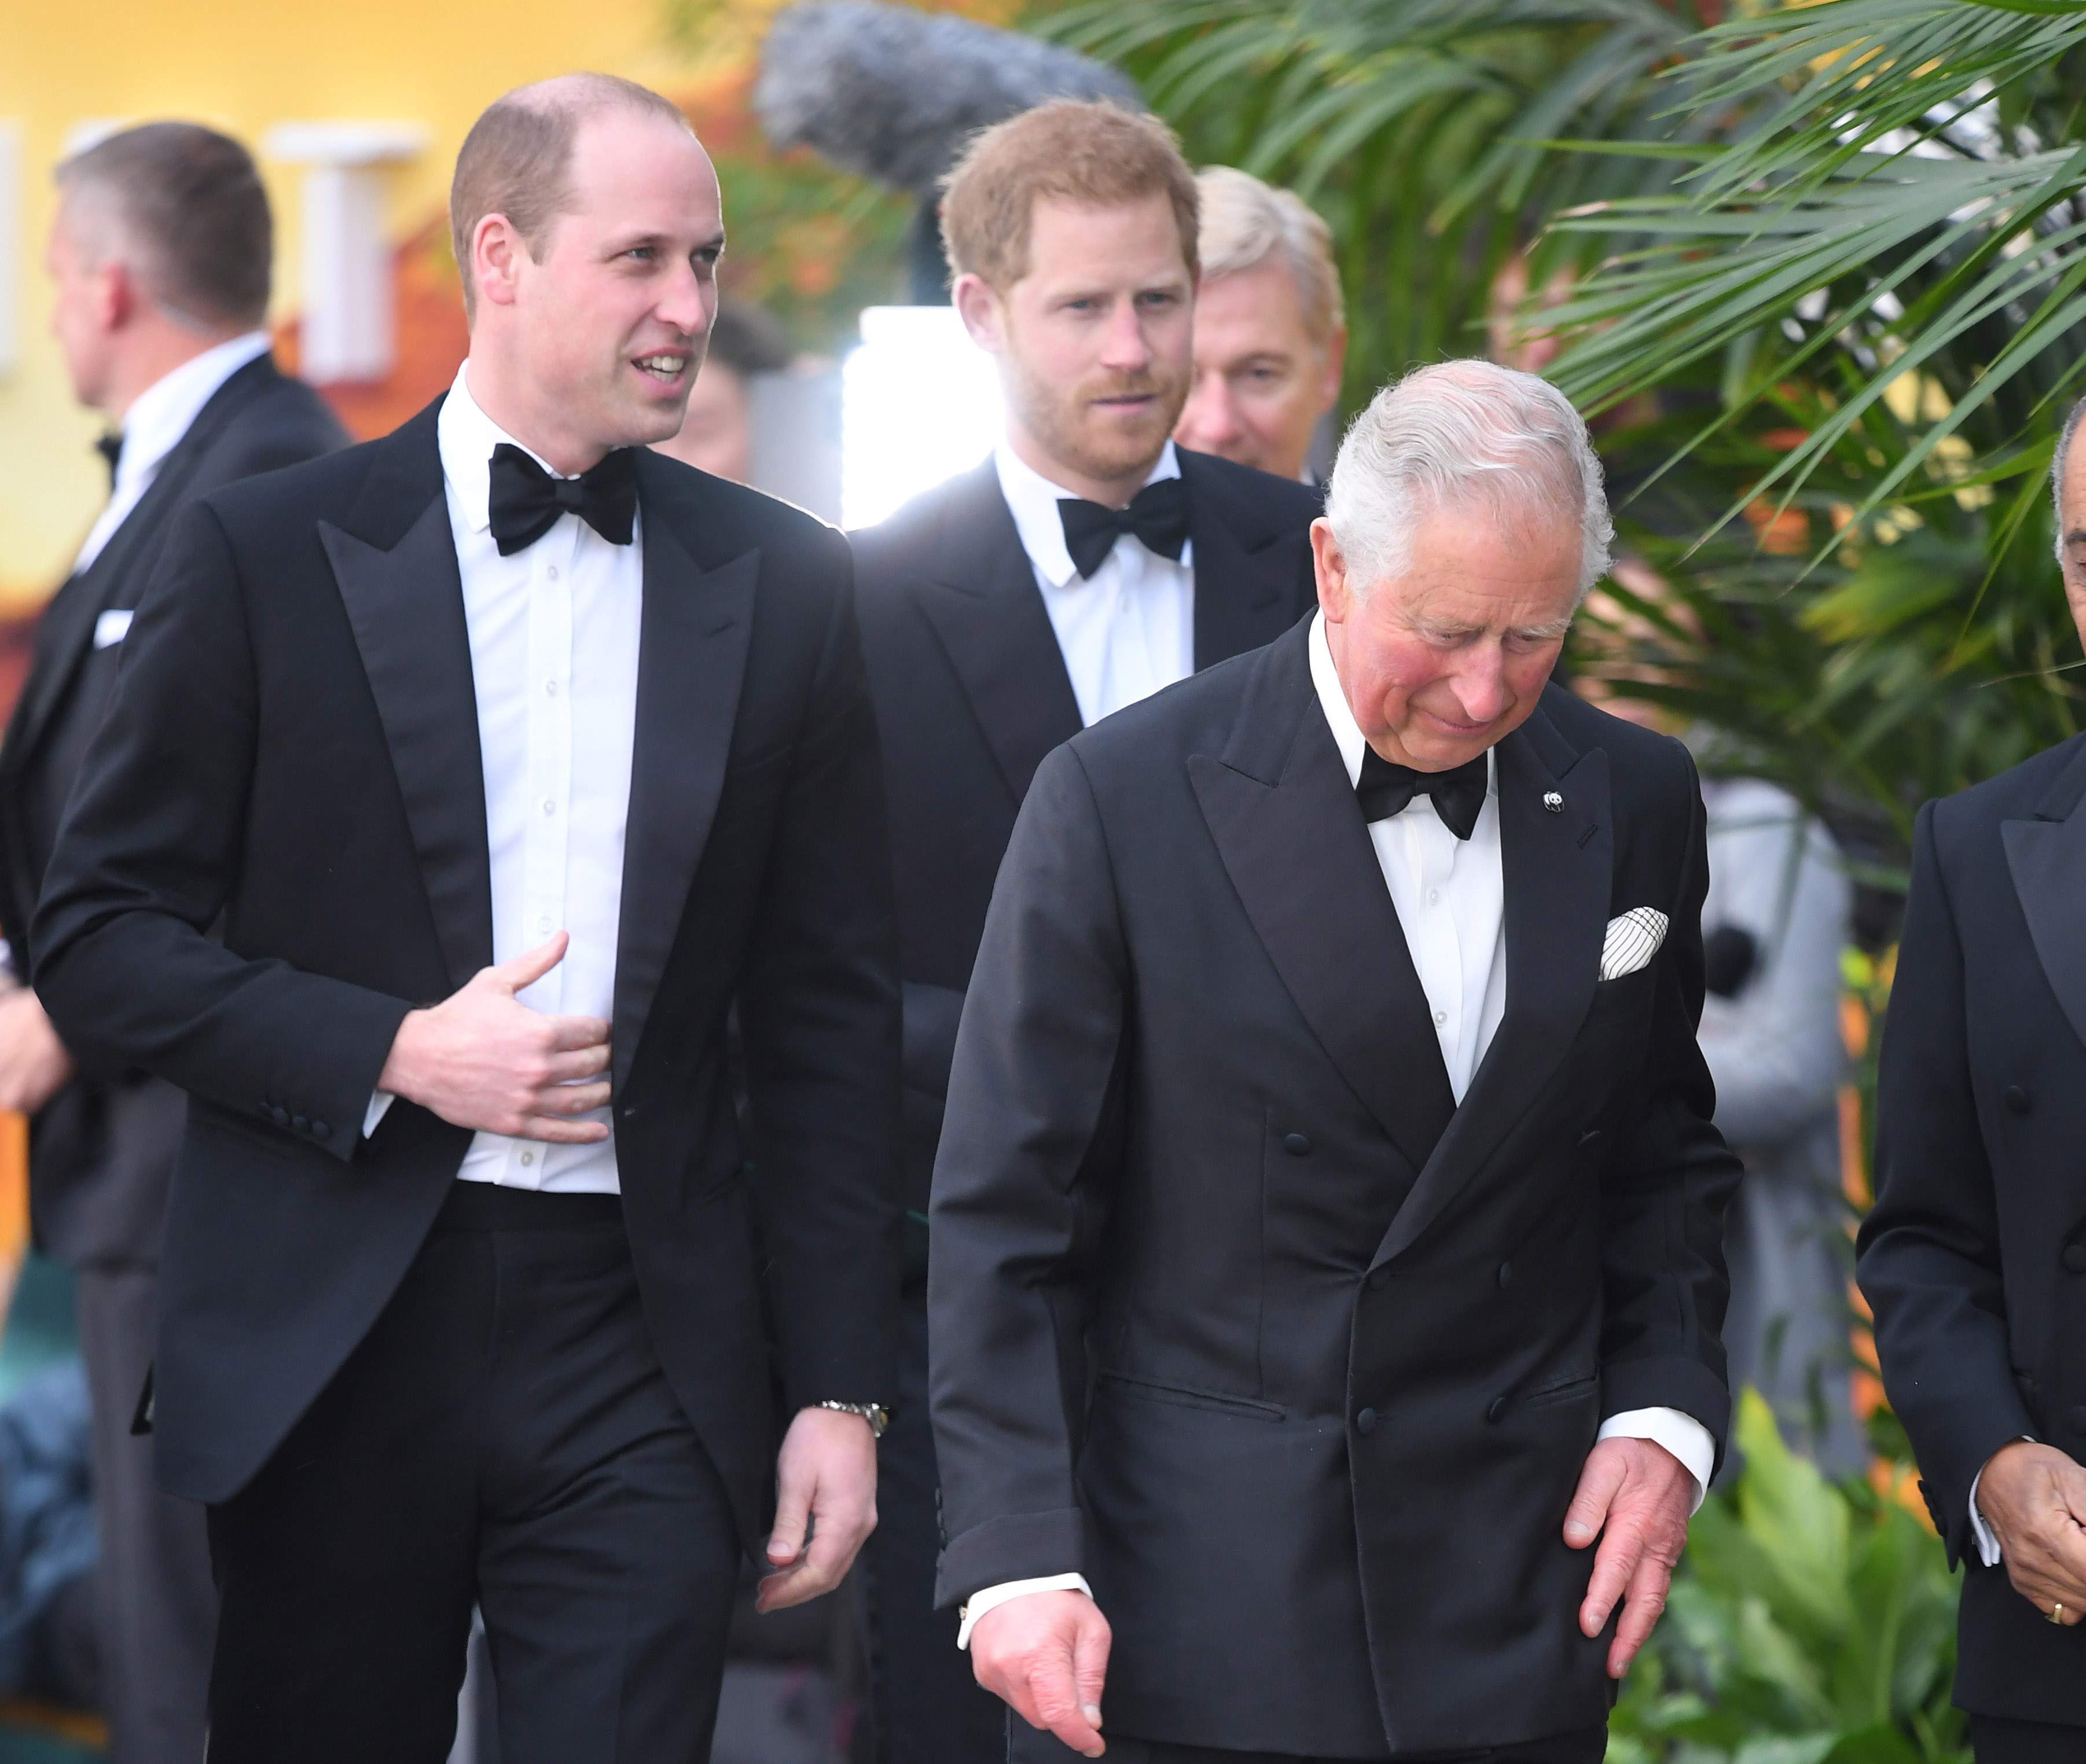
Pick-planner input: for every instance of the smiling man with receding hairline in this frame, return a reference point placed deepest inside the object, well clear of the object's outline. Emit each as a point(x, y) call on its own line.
point(508, 757)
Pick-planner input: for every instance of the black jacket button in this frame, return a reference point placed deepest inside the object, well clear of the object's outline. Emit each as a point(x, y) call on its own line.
point(1498, 1408)
point(2017, 1099)
point(1506, 1273)
point(319, 1130)
point(302, 1123)
point(2074, 1257)
point(1296, 1145)
point(280, 1115)
point(1365, 1422)
point(1379, 1278)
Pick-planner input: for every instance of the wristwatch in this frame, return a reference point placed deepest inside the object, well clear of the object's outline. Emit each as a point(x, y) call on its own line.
point(878, 1417)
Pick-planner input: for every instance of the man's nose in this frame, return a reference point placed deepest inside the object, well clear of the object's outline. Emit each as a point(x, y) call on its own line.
point(1123, 348)
point(1480, 684)
point(681, 305)
point(1209, 420)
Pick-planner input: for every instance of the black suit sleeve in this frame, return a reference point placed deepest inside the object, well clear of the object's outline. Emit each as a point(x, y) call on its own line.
point(1929, 1252)
point(818, 1007)
point(1668, 1181)
point(1022, 1185)
point(147, 856)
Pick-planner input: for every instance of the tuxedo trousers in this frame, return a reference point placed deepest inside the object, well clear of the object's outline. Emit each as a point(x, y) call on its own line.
point(502, 1437)
point(1996, 1740)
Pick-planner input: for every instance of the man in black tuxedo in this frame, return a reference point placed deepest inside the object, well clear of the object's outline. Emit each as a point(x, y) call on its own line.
point(1001, 614)
point(506, 755)
point(1973, 1258)
point(1326, 1220)
point(161, 253)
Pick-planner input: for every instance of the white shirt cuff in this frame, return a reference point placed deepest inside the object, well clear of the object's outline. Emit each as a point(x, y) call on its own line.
point(1988, 1542)
point(991, 1598)
point(1683, 1435)
point(379, 1102)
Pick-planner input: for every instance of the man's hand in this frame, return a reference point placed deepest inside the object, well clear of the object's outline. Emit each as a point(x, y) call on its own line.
point(2034, 1498)
point(1635, 1496)
point(33, 1062)
point(482, 1058)
point(825, 1505)
point(1045, 1654)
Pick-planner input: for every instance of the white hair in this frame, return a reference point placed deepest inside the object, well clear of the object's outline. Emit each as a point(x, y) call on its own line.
point(2057, 471)
point(1457, 432)
point(1245, 224)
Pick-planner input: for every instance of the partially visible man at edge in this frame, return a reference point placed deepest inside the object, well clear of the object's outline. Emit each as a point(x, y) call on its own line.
point(509, 755)
point(1088, 563)
point(1271, 333)
point(1325, 1223)
point(161, 254)
point(1973, 1257)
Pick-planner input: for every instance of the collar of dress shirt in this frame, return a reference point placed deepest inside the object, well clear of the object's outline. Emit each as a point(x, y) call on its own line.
point(164, 411)
point(1347, 732)
point(1032, 500)
point(466, 437)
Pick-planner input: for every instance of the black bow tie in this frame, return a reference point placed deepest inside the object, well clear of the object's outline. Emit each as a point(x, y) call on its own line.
point(110, 447)
point(525, 501)
point(1385, 789)
point(1157, 517)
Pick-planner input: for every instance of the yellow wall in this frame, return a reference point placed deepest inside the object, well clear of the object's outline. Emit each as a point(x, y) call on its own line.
point(245, 65)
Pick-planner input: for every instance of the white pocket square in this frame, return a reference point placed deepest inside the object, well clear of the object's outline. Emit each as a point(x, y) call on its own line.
point(1632, 941)
point(111, 627)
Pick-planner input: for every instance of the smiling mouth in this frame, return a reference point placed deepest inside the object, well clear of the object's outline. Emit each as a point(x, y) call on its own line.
point(664, 367)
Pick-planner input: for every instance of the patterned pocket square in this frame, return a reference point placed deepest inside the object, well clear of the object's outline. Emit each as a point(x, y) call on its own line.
point(1632, 941)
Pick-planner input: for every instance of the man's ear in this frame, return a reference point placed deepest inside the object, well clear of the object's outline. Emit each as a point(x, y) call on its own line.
point(496, 251)
point(1335, 589)
point(117, 301)
point(978, 304)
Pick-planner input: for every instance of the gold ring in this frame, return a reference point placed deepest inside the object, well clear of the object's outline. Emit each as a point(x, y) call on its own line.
point(2057, 1614)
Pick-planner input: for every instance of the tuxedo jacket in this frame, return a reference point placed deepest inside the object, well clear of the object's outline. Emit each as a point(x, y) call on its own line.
point(103, 1148)
point(1973, 1258)
point(1233, 1309)
point(293, 753)
point(972, 692)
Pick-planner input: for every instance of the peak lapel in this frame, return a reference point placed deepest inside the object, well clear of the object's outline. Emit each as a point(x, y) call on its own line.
point(980, 597)
point(692, 662)
point(1293, 839)
point(1559, 876)
point(405, 605)
point(1243, 599)
point(2047, 858)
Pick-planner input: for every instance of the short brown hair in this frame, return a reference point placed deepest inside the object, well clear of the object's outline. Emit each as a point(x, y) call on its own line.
point(184, 207)
point(1093, 153)
point(517, 159)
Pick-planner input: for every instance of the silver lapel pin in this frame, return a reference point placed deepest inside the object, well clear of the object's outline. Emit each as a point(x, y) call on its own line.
point(1553, 802)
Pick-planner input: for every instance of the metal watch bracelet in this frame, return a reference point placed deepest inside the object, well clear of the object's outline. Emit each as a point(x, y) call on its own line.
point(878, 1417)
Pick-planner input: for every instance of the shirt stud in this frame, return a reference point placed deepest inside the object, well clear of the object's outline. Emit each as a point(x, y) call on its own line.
point(1553, 802)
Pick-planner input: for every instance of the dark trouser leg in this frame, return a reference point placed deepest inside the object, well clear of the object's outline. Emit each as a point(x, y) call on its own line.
point(1585, 1747)
point(156, 1607)
point(1997, 1740)
point(609, 1557)
point(503, 1434)
point(929, 1708)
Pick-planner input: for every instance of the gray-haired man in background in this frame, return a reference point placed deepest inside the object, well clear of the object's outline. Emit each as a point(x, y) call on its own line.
point(161, 255)
point(1325, 1223)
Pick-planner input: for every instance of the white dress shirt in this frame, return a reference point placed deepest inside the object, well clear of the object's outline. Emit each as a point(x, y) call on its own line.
point(554, 643)
point(1128, 629)
point(153, 426)
point(1450, 896)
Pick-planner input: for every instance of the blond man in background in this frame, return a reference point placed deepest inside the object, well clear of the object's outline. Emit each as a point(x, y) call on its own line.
point(1271, 331)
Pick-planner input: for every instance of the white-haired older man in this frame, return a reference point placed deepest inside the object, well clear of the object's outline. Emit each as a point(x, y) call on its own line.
point(1325, 1225)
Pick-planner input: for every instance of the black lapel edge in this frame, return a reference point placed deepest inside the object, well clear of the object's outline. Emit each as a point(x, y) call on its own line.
point(695, 629)
point(1244, 599)
point(2045, 857)
point(405, 606)
point(1558, 872)
point(1329, 927)
point(979, 597)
